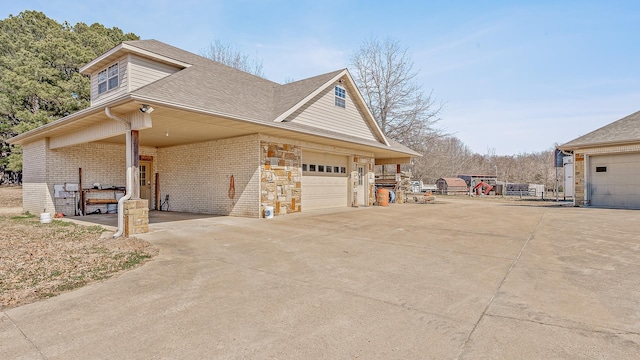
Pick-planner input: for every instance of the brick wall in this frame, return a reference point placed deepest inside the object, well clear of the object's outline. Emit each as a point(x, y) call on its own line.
point(100, 162)
point(36, 196)
point(197, 177)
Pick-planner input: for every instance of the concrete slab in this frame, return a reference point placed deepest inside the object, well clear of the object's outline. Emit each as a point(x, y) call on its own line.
point(452, 280)
point(13, 343)
point(504, 338)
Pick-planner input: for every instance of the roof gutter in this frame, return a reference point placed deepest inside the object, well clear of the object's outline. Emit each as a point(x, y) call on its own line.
point(272, 125)
point(129, 174)
point(23, 138)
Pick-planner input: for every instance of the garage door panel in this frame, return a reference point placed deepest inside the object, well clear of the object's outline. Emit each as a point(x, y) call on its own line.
point(619, 185)
point(323, 189)
point(320, 192)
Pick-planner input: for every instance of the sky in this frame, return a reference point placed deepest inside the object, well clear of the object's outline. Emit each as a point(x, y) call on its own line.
point(514, 76)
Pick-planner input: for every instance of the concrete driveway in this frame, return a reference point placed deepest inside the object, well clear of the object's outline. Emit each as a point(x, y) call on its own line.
point(459, 279)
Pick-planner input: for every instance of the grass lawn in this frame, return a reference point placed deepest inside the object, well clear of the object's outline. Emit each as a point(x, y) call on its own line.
point(38, 261)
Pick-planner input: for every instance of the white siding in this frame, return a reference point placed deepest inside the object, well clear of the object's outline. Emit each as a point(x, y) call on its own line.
point(144, 71)
point(111, 94)
point(321, 112)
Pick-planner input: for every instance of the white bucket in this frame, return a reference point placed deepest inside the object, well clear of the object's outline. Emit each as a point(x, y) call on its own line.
point(268, 212)
point(45, 218)
point(112, 208)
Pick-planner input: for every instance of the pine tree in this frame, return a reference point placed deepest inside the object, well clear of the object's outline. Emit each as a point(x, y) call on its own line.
point(39, 75)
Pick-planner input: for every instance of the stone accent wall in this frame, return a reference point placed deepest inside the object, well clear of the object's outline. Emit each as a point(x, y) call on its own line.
point(136, 217)
point(197, 177)
point(280, 177)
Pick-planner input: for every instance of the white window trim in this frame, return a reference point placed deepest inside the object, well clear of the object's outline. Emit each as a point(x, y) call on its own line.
point(340, 97)
point(107, 78)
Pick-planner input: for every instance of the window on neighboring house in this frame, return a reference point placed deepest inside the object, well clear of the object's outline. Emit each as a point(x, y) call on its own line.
point(341, 97)
point(108, 79)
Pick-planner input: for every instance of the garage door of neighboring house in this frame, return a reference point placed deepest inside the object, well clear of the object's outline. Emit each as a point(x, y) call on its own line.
point(614, 181)
point(324, 180)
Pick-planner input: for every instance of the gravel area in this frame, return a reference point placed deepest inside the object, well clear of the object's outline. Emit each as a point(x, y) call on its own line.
point(38, 261)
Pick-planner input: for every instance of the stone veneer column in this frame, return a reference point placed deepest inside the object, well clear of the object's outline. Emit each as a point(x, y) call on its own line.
point(281, 177)
point(136, 217)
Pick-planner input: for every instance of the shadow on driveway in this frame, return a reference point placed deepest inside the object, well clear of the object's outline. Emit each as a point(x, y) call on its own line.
point(110, 221)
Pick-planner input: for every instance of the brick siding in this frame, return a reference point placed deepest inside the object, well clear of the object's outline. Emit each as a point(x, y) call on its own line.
point(197, 177)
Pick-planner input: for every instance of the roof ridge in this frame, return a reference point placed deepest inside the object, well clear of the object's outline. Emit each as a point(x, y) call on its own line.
point(623, 130)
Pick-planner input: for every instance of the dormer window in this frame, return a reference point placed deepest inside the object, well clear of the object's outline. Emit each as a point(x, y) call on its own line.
point(108, 79)
point(341, 96)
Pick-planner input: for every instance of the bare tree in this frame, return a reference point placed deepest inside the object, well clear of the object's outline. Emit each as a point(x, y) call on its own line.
point(446, 156)
point(384, 73)
point(229, 55)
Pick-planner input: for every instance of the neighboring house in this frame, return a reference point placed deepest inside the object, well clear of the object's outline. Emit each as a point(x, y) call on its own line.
point(607, 165)
point(215, 139)
point(451, 186)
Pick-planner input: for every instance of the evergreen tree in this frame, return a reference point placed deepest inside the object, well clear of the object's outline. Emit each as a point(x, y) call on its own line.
point(39, 75)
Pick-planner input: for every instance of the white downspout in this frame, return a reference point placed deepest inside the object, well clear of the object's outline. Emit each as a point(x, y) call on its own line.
point(129, 174)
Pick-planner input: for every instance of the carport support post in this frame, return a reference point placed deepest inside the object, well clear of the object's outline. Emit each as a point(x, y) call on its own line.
point(135, 159)
point(136, 210)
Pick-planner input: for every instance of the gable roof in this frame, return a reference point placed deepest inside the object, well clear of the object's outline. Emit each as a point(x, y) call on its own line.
point(210, 87)
point(288, 95)
point(454, 182)
point(625, 130)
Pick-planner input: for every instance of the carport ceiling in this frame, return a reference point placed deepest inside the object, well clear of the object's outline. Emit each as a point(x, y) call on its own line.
point(172, 127)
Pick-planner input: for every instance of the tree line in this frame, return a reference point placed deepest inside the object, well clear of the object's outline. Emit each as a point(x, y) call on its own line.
point(447, 156)
point(384, 72)
point(39, 75)
point(40, 82)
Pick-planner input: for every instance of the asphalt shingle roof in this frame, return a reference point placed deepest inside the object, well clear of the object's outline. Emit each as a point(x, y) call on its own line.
point(211, 86)
point(624, 130)
point(287, 95)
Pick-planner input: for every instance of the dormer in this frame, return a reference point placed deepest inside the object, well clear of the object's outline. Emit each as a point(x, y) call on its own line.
point(126, 68)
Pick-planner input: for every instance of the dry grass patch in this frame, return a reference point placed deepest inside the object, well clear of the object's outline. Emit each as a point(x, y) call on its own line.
point(38, 261)
point(10, 199)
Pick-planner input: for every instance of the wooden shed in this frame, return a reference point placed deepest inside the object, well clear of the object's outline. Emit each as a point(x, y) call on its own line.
point(451, 186)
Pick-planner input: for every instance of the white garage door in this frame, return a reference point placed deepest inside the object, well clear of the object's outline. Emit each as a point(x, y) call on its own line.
point(324, 180)
point(614, 181)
